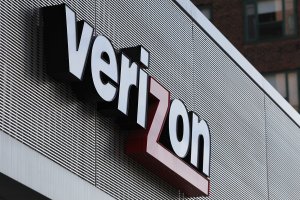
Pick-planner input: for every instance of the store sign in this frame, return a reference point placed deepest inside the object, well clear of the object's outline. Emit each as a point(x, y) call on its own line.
point(169, 140)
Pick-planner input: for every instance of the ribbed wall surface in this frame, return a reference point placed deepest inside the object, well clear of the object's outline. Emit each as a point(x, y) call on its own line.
point(254, 145)
point(234, 108)
point(35, 109)
point(153, 34)
point(283, 141)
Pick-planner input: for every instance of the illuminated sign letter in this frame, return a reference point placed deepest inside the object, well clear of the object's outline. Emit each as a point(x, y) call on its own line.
point(77, 53)
point(128, 78)
point(177, 112)
point(104, 63)
point(200, 135)
point(143, 98)
point(170, 141)
point(62, 51)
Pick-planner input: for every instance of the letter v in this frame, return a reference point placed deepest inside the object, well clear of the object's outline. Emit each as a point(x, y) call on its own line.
point(77, 54)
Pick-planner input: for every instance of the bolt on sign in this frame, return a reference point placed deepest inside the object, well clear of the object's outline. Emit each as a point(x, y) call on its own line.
point(167, 139)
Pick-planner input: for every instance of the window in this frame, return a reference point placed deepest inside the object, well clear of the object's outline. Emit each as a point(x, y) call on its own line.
point(206, 11)
point(267, 19)
point(286, 83)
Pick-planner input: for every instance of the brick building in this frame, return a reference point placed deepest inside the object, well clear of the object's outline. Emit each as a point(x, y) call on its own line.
point(267, 33)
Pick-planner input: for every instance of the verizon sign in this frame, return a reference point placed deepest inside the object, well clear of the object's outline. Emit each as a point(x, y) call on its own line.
point(169, 140)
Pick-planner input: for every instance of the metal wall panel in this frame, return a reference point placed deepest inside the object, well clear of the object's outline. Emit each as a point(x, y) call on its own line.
point(127, 24)
point(120, 176)
point(163, 29)
point(47, 116)
point(234, 109)
point(35, 109)
point(32, 169)
point(283, 139)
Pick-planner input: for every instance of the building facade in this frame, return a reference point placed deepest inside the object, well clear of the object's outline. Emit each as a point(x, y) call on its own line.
point(59, 140)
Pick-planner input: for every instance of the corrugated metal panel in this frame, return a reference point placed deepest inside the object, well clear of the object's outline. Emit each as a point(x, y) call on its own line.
point(168, 60)
point(37, 110)
point(120, 176)
point(47, 116)
point(32, 169)
point(283, 141)
point(234, 108)
point(163, 29)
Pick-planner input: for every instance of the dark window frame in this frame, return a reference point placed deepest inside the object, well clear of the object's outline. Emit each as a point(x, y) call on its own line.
point(286, 73)
point(257, 38)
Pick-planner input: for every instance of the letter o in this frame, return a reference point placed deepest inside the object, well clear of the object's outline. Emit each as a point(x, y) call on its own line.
point(177, 110)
